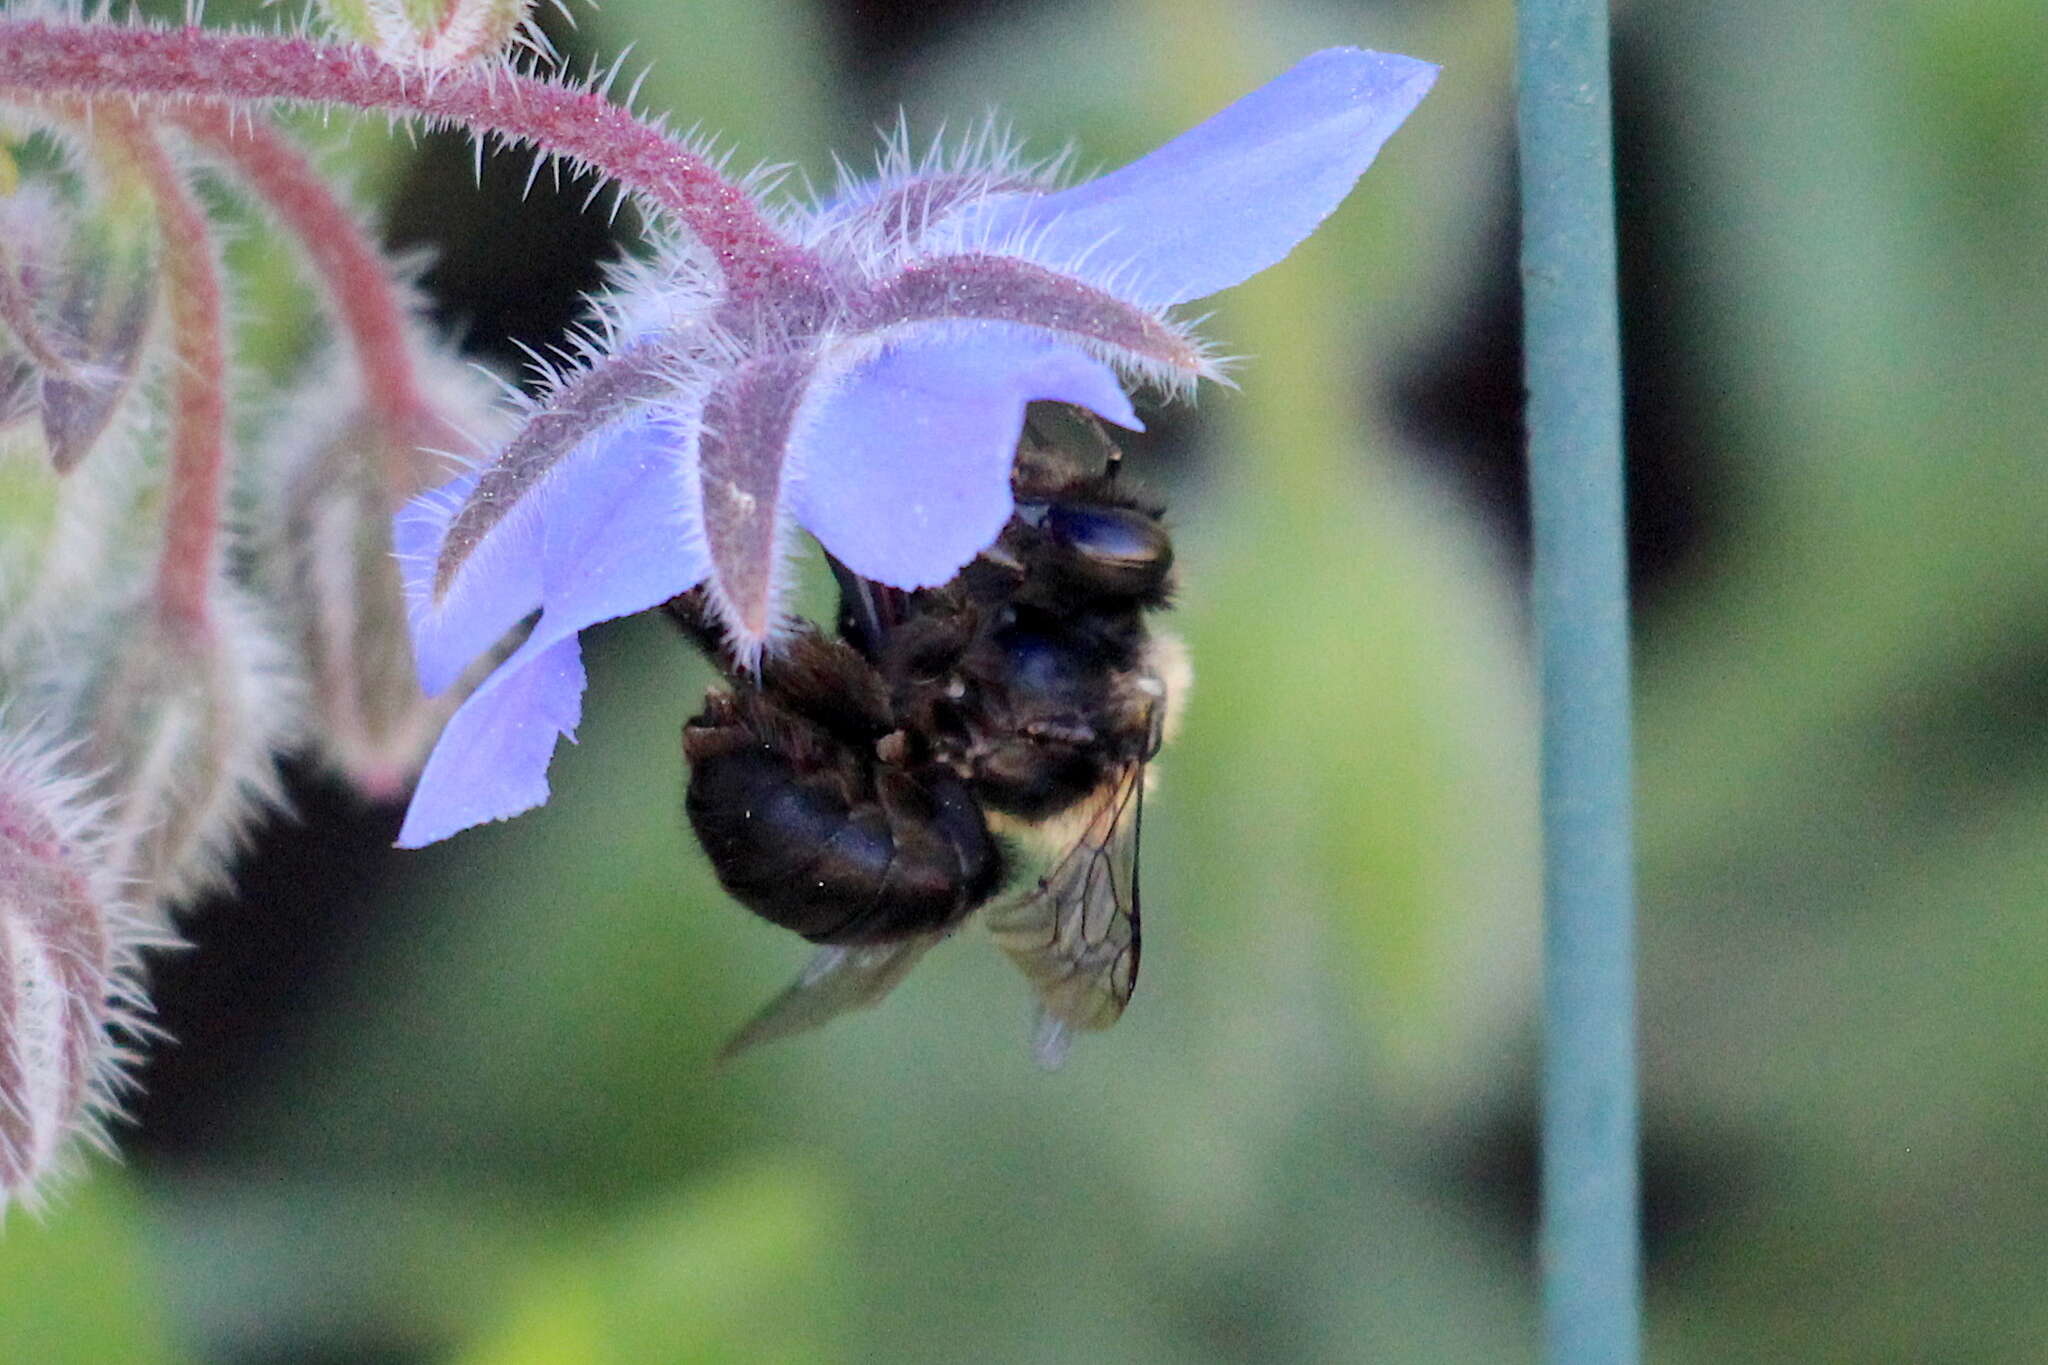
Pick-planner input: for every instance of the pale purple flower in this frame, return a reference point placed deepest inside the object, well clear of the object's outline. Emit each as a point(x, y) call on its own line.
point(872, 398)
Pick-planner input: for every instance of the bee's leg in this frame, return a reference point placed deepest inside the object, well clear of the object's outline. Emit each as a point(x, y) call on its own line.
point(692, 614)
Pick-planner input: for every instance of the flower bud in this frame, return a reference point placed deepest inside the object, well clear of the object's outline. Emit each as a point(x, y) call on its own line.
point(78, 295)
point(66, 945)
point(78, 292)
point(431, 33)
point(337, 478)
point(181, 724)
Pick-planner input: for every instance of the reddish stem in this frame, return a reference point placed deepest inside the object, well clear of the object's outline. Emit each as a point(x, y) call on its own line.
point(199, 428)
point(347, 265)
point(42, 58)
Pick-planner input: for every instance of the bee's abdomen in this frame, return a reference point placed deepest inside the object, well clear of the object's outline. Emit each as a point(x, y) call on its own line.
point(838, 856)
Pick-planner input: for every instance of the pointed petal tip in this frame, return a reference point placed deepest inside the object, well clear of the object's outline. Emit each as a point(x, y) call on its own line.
point(1397, 82)
point(1234, 194)
point(1390, 67)
point(1383, 88)
point(491, 762)
point(1102, 395)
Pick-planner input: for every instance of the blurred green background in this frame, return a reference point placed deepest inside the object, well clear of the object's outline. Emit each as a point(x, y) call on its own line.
point(457, 1106)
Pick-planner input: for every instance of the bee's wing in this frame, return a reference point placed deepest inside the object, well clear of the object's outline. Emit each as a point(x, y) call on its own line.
point(1075, 935)
point(835, 981)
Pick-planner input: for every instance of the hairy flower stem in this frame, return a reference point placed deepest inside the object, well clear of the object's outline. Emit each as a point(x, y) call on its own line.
point(199, 432)
point(40, 58)
point(346, 264)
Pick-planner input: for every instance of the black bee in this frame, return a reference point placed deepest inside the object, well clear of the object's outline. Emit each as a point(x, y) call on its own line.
point(864, 790)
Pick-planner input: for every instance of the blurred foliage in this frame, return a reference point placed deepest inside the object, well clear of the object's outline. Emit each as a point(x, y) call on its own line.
point(741, 1271)
point(77, 1283)
point(496, 1137)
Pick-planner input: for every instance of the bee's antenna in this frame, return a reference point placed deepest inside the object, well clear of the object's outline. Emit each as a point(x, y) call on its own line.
point(857, 598)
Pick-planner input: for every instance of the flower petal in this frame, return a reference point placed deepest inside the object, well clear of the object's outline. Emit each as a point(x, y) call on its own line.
point(598, 397)
point(624, 529)
point(492, 759)
point(904, 469)
point(469, 549)
point(500, 585)
point(1231, 196)
point(623, 534)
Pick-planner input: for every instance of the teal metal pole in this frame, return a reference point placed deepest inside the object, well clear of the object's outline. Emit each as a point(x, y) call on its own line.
point(1590, 1244)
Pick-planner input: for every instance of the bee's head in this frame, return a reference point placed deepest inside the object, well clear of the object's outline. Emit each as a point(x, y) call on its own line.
point(1102, 550)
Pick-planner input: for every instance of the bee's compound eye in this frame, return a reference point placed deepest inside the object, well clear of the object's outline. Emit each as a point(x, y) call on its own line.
point(1124, 550)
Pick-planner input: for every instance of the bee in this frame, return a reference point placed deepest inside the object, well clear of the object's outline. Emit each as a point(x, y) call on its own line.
point(871, 789)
